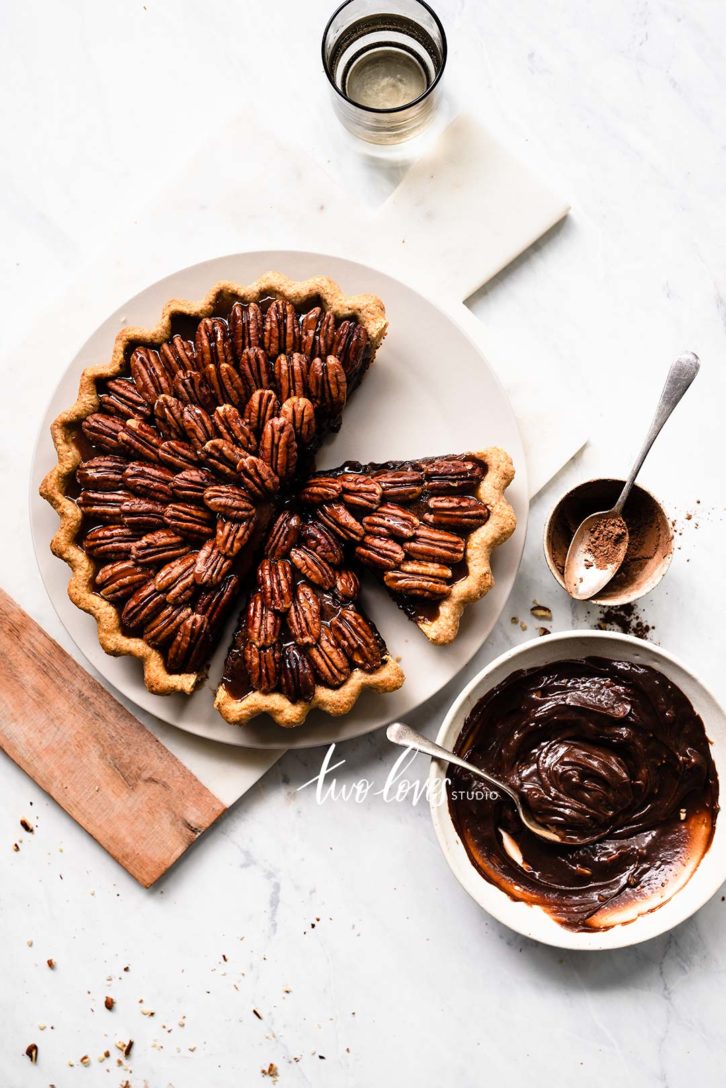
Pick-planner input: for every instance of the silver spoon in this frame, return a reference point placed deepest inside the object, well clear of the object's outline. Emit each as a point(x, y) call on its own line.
point(400, 733)
point(586, 573)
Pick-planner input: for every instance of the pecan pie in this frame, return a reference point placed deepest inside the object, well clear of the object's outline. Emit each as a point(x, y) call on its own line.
point(186, 486)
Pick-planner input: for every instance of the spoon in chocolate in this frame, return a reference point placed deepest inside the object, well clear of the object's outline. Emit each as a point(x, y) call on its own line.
point(406, 737)
point(598, 548)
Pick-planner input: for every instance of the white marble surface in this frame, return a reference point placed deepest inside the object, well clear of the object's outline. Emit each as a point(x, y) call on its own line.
point(402, 980)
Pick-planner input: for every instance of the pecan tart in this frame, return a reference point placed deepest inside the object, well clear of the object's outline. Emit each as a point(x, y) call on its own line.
point(186, 488)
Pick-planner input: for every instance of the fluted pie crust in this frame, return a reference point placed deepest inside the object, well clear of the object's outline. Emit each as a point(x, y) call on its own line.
point(367, 309)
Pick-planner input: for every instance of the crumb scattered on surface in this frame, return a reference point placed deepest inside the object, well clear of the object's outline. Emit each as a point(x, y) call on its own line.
point(108, 1002)
point(51, 964)
point(27, 826)
point(272, 1072)
point(541, 612)
point(31, 1051)
point(257, 1014)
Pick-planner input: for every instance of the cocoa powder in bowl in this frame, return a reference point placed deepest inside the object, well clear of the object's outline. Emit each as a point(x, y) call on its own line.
point(650, 546)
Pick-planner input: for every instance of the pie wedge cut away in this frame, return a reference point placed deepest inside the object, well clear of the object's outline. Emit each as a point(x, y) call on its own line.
point(186, 490)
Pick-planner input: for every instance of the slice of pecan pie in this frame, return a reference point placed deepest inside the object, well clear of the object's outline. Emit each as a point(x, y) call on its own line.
point(177, 454)
point(426, 529)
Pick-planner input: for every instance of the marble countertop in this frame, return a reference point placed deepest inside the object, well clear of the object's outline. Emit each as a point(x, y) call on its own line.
point(329, 944)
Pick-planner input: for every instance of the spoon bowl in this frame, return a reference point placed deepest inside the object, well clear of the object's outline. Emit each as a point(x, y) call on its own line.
point(596, 554)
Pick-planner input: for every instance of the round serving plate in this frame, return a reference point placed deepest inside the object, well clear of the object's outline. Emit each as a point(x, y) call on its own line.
point(430, 391)
point(533, 921)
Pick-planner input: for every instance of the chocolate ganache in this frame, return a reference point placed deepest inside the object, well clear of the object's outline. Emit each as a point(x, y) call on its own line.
point(609, 752)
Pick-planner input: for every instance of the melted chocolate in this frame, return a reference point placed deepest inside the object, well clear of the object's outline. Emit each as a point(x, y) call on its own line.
point(607, 750)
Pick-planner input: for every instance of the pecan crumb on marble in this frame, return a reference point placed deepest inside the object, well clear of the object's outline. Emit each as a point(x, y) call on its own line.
point(108, 1002)
point(31, 1051)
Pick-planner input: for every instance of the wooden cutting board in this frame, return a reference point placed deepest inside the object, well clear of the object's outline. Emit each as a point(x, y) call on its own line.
point(92, 756)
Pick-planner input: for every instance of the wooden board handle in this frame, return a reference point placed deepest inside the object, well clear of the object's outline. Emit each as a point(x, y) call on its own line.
point(94, 758)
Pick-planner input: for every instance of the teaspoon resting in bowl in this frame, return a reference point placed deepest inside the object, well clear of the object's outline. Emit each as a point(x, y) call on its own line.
point(598, 547)
point(399, 733)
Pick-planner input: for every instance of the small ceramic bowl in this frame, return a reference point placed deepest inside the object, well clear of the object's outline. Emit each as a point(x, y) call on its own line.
point(651, 537)
point(532, 921)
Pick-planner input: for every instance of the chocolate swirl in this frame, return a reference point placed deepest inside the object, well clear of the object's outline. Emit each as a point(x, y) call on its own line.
point(610, 752)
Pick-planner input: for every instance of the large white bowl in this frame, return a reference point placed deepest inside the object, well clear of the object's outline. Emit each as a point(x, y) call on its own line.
point(533, 921)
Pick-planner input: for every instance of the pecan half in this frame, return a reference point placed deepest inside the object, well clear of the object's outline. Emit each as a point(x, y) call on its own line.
point(435, 545)
point(296, 677)
point(215, 603)
point(313, 567)
point(189, 520)
point(338, 518)
point(263, 666)
point(232, 388)
point(325, 336)
point(300, 414)
point(190, 646)
point(212, 566)
point(347, 584)
point(283, 535)
point(178, 455)
point(102, 473)
point(190, 485)
point(391, 520)
point(322, 489)
point(358, 639)
point(212, 342)
point(274, 577)
point(254, 370)
point(361, 492)
point(231, 536)
point(141, 440)
point(103, 430)
point(230, 501)
point(163, 627)
point(142, 515)
point(110, 542)
point(329, 661)
point(456, 511)
point(191, 387)
point(230, 426)
point(291, 375)
point(178, 355)
point(278, 447)
point(416, 585)
point(143, 606)
point(117, 581)
point(176, 579)
point(149, 374)
point(149, 481)
point(319, 540)
point(103, 505)
point(403, 485)
point(222, 457)
point(328, 385)
point(380, 551)
point(168, 416)
point(309, 329)
point(303, 619)
point(262, 406)
point(427, 570)
point(257, 477)
point(281, 331)
point(245, 325)
point(351, 340)
point(449, 475)
point(262, 625)
point(159, 547)
point(198, 426)
point(121, 398)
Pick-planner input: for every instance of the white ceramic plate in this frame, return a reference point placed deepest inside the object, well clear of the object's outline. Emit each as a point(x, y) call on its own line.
point(532, 921)
point(430, 391)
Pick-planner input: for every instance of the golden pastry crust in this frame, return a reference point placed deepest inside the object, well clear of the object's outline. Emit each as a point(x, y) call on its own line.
point(368, 310)
point(334, 701)
point(479, 546)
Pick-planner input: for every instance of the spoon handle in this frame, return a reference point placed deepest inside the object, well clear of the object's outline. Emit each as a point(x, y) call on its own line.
point(400, 733)
point(680, 376)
